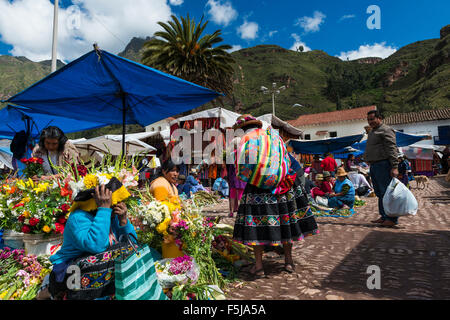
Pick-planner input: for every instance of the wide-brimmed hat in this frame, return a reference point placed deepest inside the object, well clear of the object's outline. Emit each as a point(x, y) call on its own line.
point(193, 171)
point(245, 120)
point(319, 177)
point(182, 177)
point(326, 174)
point(341, 172)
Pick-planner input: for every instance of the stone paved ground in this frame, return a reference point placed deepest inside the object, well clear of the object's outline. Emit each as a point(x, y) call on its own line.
point(414, 258)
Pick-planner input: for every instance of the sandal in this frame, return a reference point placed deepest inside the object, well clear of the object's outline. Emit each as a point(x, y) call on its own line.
point(255, 274)
point(289, 267)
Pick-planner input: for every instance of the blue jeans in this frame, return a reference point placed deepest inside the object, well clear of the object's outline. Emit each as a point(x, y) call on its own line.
point(380, 173)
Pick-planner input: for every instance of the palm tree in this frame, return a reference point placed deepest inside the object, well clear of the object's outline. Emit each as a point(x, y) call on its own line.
point(182, 51)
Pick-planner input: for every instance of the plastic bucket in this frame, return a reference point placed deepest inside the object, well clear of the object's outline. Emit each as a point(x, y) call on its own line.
point(39, 244)
point(13, 239)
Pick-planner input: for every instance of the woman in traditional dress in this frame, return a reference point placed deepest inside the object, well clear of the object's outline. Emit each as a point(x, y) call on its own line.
point(276, 216)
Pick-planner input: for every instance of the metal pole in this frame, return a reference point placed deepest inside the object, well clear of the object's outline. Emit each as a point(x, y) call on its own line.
point(273, 103)
point(55, 35)
point(124, 128)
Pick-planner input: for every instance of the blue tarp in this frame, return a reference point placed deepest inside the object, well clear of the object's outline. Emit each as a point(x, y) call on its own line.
point(14, 119)
point(98, 85)
point(403, 140)
point(324, 145)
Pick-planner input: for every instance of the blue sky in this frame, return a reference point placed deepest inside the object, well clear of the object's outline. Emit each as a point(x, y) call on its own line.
point(336, 27)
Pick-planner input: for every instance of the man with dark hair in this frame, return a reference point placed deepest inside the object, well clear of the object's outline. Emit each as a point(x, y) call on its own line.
point(381, 153)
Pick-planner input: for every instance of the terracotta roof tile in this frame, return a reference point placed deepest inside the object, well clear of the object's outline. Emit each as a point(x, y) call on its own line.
point(421, 116)
point(333, 116)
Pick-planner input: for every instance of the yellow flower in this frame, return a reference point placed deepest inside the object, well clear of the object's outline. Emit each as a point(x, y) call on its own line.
point(26, 214)
point(30, 183)
point(90, 181)
point(3, 294)
point(21, 184)
point(162, 227)
point(42, 187)
point(46, 229)
point(26, 200)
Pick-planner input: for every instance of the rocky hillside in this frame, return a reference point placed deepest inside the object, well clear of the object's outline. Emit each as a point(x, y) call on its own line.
point(416, 77)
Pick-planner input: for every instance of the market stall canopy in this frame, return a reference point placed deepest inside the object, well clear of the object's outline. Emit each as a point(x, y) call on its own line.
point(14, 119)
point(114, 90)
point(225, 118)
point(403, 140)
point(345, 152)
point(165, 134)
point(114, 147)
point(324, 145)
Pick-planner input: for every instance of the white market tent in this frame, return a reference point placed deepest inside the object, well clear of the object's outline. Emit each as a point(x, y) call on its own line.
point(111, 145)
point(227, 117)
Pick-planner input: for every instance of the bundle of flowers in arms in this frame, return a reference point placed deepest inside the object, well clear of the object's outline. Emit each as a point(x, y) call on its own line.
point(33, 167)
point(78, 178)
point(21, 275)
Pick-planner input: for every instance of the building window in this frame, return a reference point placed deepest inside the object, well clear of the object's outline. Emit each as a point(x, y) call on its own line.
point(307, 137)
point(333, 134)
point(159, 128)
point(153, 129)
point(401, 130)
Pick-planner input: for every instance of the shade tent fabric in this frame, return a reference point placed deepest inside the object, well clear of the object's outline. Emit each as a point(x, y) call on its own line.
point(227, 117)
point(324, 145)
point(14, 119)
point(402, 139)
point(113, 90)
point(5, 158)
point(277, 122)
point(114, 147)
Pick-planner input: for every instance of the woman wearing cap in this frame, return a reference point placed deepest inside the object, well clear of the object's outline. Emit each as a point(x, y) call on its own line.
point(98, 218)
point(344, 191)
point(56, 150)
point(269, 216)
point(323, 188)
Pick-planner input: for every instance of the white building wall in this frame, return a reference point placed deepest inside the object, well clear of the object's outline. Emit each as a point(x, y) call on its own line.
point(426, 127)
point(154, 127)
point(345, 128)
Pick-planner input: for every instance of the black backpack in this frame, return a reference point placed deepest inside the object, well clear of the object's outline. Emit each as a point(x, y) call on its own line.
point(19, 144)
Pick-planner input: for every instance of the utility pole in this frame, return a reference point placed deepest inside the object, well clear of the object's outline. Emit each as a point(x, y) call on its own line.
point(272, 91)
point(55, 35)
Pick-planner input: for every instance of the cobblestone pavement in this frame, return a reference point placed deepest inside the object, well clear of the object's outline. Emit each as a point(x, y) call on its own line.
point(414, 258)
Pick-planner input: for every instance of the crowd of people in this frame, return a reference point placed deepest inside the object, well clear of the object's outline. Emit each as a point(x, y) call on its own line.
point(265, 216)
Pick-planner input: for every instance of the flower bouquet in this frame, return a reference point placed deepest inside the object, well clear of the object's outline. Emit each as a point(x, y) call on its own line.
point(21, 275)
point(177, 271)
point(34, 167)
point(42, 209)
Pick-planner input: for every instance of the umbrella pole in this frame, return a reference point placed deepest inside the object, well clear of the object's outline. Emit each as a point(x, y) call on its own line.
point(124, 114)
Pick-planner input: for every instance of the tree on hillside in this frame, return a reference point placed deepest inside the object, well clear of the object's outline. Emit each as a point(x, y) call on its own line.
point(181, 50)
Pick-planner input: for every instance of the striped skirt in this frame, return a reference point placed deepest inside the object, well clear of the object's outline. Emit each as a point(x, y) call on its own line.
point(264, 218)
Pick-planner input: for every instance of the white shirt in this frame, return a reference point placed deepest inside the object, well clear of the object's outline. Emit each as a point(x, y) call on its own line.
point(358, 180)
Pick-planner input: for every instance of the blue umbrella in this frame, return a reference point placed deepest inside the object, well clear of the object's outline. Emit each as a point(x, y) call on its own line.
point(324, 145)
point(15, 118)
point(104, 87)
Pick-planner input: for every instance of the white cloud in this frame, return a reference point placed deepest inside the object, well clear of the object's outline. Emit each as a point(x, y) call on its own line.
point(271, 33)
point(347, 16)
point(248, 30)
point(376, 50)
point(27, 25)
point(298, 43)
point(311, 24)
point(176, 2)
point(221, 14)
point(235, 47)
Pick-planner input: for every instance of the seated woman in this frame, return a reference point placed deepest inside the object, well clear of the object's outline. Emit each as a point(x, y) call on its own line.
point(164, 187)
point(344, 191)
point(90, 231)
point(55, 149)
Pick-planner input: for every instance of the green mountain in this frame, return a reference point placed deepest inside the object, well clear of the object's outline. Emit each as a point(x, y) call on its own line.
point(416, 77)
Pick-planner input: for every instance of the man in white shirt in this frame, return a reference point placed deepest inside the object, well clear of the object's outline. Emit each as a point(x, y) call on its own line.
point(362, 187)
